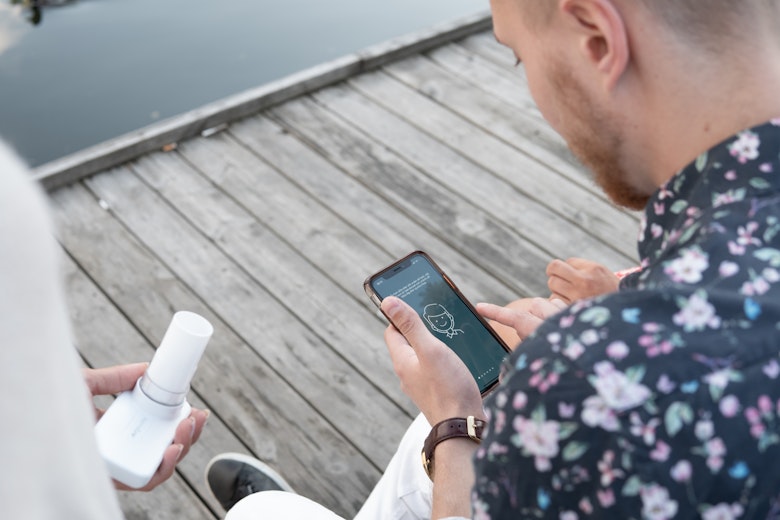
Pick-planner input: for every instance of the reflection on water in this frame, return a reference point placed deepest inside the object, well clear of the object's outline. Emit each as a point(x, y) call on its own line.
point(90, 70)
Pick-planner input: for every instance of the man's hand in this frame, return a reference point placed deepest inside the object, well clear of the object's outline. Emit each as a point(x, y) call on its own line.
point(442, 388)
point(520, 318)
point(576, 279)
point(114, 380)
point(431, 374)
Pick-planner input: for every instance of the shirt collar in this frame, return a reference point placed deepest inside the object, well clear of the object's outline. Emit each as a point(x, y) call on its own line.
point(743, 167)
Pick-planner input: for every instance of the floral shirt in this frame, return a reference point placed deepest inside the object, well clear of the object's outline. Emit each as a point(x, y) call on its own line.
point(661, 400)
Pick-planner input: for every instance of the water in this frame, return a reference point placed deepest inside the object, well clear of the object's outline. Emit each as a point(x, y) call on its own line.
point(96, 69)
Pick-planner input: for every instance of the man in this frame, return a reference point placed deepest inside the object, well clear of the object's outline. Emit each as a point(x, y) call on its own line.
point(660, 400)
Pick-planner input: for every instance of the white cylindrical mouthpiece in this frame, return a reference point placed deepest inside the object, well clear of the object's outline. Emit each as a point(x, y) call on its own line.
point(167, 380)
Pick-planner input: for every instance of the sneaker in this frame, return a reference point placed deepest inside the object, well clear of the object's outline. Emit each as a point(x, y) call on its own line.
point(233, 476)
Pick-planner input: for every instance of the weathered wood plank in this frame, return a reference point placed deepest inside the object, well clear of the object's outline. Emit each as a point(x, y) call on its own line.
point(429, 202)
point(549, 220)
point(377, 218)
point(272, 420)
point(271, 258)
point(295, 348)
point(508, 121)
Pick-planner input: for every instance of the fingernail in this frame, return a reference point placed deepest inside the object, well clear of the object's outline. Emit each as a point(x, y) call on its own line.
point(390, 305)
point(192, 427)
point(181, 450)
point(206, 415)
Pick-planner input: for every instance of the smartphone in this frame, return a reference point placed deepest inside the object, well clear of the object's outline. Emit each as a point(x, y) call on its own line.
point(418, 281)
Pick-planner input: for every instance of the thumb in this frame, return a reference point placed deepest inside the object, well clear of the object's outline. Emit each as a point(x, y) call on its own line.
point(405, 319)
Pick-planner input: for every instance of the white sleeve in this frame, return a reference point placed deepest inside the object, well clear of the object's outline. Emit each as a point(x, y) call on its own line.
point(50, 465)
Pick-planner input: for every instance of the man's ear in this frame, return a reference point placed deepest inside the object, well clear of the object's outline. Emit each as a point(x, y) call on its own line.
point(601, 31)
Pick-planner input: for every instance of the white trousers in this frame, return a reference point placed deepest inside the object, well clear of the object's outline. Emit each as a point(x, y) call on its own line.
point(403, 492)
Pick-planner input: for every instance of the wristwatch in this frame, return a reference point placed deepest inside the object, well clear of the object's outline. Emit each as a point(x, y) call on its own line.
point(447, 429)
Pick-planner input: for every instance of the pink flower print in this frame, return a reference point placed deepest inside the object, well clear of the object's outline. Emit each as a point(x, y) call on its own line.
point(481, 510)
point(585, 506)
point(771, 275)
point(520, 400)
point(736, 249)
point(567, 321)
point(617, 350)
point(646, 431)
point(608, 473)
point(606, 497)
point(499, 422)
point(730, 196)
point(745, 148)
point(661, 452)
point(728, 269)
point(651, 327)
point(665, 385)
point(772, 369)
point(697, 314)
point(665, 192)
point(723, 512)
point(596, 413)
point(766, 168)
point(659, 208)
point(752, 415)
point(730, 175)
point(569, 515)
point(497, 449)
point(765, 404)
point(760, 286)
point(589, 337)
point(688, 267)
point(716, 449)
point(538, 438)
point(682, 471)
point(656, 503)
point(618, 391)
point(566, 410)
point(746, 234)
point(550, 380)
point(574, 350)
point(656, 230)
point(757, 430)
point(729, 406)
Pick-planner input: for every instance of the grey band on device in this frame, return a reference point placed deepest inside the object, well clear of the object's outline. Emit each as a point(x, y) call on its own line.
point(447, 429)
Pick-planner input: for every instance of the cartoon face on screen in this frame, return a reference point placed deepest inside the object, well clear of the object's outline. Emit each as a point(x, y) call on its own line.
point(440, 320)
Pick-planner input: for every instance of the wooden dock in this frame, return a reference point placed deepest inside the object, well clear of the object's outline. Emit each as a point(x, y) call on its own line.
point(269, 227)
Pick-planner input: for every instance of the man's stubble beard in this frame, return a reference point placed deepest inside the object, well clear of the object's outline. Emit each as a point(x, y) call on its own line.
point(595, 141)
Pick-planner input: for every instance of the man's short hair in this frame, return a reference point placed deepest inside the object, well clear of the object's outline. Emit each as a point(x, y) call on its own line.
point(713, 24)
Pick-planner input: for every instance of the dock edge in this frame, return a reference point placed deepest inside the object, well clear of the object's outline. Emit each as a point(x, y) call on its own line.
point(211, 117)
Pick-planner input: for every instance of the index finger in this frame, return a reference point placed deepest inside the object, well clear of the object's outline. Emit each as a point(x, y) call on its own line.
point(523, 321)
point(112, 380)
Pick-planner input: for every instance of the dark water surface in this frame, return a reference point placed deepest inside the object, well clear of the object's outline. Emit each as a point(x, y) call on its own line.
point(95, 69)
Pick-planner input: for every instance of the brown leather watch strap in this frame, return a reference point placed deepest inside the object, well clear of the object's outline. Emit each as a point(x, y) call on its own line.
point(449, 428)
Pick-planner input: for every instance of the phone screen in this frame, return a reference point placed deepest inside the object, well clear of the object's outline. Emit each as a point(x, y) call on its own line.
point(419, 282)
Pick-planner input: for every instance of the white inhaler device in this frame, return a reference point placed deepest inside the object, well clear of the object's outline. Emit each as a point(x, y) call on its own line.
point(140, 424)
